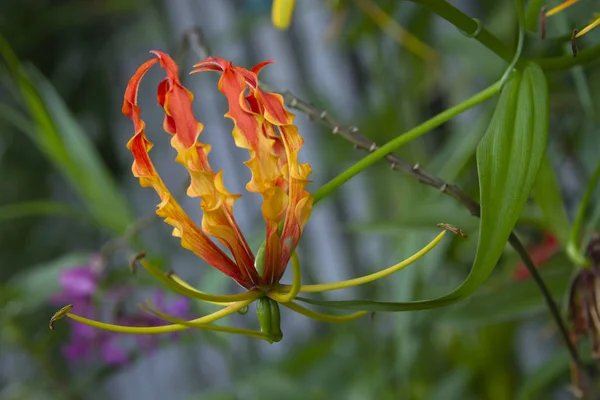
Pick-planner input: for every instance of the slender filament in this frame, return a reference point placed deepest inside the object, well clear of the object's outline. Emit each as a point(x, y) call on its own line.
point(190, 324)
point(371, 277)
point(323, 317)
point(183, 283)
point(561, 7)
point(198, 323)
point(196, 294)
point(588, 28)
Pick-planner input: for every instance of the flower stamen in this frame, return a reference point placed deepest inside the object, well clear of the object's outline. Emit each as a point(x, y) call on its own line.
point(324, 287)
point(561, 7)
point(183, 283)
point(588, 28)
point(179, 325)
point(194, 293)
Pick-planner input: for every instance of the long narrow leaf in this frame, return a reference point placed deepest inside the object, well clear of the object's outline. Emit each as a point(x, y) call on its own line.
point(508, 160)
point(57, 134)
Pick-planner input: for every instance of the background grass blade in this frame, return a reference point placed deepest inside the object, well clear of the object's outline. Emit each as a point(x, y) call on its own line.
point(58, 136)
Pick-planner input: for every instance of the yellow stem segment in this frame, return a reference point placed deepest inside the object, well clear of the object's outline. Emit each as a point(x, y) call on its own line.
point(296, 283)
point(368, 278)
point(323, 317)
point(198, 323)
point(561, 7)
point(588, 28)
point(187, 291)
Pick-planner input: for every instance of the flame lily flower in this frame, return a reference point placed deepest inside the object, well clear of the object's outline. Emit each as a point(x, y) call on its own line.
point(595, 22)
point(265, 128)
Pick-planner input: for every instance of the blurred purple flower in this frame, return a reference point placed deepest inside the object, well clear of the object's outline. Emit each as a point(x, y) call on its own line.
point(79, 286)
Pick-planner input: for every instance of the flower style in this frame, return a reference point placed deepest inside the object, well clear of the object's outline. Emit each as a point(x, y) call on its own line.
point(578, 33)
point(265, 129)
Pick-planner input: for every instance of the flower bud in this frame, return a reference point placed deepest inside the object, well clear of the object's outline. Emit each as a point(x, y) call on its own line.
point(267, 311)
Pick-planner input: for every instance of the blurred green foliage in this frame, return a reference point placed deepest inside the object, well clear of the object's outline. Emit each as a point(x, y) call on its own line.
point(57, 73)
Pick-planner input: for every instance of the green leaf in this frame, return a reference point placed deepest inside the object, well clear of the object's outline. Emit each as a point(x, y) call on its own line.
point(58, 135)
point(547, 195)
point(508, 160)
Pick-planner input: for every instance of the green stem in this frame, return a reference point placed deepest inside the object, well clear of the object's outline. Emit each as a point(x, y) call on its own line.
point(574, 246)
point(568, 61)
point(517, 56)
point(406, 137)
point(469, 26)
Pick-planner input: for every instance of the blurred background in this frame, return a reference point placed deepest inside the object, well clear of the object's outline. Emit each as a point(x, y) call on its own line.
point(71, 213)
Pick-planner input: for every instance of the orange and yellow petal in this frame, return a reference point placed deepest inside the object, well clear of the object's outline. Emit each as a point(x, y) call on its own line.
point(252, 132)
point(217, 201)
point(300, 200)
point(265, 128)
point(191, 236)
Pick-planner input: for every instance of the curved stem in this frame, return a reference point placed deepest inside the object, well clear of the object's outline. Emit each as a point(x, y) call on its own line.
point(296, 283)
point(323, 317)
point(469, 26)
point(196, 294)
point(192, 324)
point(574, 245)
point(198, 323)
point(554, 311)
point(324, 287)
point(517, 56)
point(404, 138)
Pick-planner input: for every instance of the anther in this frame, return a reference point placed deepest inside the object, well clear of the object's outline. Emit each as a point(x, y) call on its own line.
point(574, 42)
point(353, 129)
point(134, 259)
point(373, 147)
point(416, 167)
point(336, 130)
point(169, 273)
point(293, 102)
point(443, 187)
point(393, 166)
point(59, 314)
point(453, 229)
point(323, 114)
